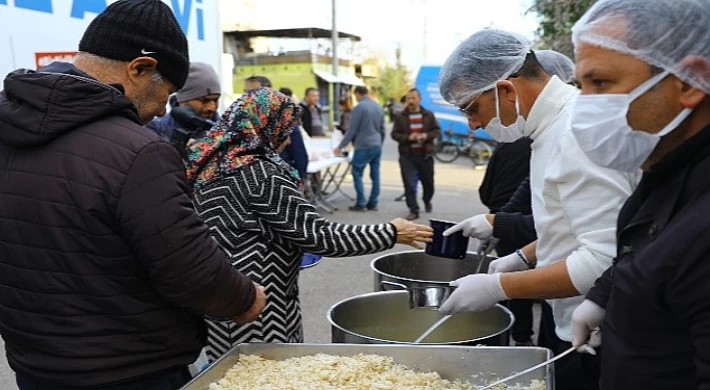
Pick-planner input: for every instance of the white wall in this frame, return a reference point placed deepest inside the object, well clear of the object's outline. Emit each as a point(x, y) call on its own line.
point(24, 32)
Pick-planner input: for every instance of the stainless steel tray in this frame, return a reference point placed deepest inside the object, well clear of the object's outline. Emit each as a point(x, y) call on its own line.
point(451, 362)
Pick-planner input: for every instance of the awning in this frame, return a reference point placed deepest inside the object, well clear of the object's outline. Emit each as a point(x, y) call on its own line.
point(308, 32)
point(351, 80)
point(328, 77)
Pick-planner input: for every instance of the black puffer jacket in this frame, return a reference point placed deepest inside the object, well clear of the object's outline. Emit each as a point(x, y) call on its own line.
point(104, 265)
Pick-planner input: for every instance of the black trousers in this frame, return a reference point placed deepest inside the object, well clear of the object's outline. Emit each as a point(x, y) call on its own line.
point(522, 308)
point(576, 371)
point(410, 166)
point(167, 380)
point(523, 311)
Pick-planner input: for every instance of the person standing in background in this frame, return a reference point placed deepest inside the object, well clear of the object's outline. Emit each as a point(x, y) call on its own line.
point(396, 110)
point(346, 110)
point(200, 96)
point(367, 133)
point(311, 113)
point(254, 82)
point(508, 167)
point(415, 129)
point(294, 152)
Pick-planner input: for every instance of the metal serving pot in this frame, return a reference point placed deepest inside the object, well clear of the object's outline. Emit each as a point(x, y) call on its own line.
point(385, 318)
point(426, 277)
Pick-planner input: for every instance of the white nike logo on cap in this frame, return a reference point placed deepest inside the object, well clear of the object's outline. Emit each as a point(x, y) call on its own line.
point(143, 51)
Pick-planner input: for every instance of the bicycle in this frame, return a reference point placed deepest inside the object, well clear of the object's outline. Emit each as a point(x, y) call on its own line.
point(451, 145)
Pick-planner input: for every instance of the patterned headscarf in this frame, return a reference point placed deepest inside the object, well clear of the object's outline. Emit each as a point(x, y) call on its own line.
point(252, 128)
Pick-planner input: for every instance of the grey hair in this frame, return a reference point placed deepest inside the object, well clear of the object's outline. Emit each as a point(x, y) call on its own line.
point(102, 62)
point(157, 77)
point(108, 63)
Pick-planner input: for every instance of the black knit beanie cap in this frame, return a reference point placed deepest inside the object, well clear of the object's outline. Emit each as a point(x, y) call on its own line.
point(128, 29)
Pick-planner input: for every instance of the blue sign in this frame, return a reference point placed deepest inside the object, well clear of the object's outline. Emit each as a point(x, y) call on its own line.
point(449, 116)
point(79, 9)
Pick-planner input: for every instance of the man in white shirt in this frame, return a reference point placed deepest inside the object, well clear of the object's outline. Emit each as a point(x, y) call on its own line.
point(496, 80)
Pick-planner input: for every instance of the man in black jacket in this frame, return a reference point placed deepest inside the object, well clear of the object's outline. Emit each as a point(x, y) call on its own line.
point(311, 114)
point(507, 169)
point(415, 129)
point(199, 98)
point(105, 268)
point(653, 304)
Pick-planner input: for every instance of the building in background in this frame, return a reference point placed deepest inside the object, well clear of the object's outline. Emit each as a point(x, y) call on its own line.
point(265, 53)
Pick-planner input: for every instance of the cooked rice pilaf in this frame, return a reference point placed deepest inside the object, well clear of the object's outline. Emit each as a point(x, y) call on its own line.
point(328, 372)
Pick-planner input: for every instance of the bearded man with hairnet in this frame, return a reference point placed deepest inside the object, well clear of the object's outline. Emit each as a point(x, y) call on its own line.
point(644, 67)
point(497, 81)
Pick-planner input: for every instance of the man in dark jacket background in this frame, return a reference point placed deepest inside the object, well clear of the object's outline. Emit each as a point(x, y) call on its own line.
point(415, 129)
point(653, 304)
point(311, 113)
point(507, 169)
point(105, 268)
point(200, 96)
point(295, 152)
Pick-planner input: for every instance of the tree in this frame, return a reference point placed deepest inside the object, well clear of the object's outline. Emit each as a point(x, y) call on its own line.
point(392, 81)
point(558, 17)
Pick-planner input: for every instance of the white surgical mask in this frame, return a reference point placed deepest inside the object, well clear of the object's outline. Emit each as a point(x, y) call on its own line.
point(600, 126)
point(504, 133)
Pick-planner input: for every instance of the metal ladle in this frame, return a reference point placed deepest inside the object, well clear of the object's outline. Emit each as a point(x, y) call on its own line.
point(432, 328)
point(531, 369)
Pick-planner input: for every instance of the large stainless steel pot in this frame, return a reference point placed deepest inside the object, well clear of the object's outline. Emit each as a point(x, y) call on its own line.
point(385, 318)
point(426, 277)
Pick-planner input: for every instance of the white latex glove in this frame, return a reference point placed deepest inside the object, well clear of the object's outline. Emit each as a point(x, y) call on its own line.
point(476, 226)
point(586, 322)
point(477, 292)
point(510, 263)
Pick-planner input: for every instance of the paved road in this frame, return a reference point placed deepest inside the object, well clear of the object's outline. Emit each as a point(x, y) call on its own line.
point(336, 279)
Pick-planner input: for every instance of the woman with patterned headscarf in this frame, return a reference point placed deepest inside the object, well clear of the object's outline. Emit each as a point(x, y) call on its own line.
point(253, 203)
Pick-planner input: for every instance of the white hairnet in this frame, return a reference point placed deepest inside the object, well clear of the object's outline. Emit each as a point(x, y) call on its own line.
point(556, 64)
point(479, 62)
point(662, 33)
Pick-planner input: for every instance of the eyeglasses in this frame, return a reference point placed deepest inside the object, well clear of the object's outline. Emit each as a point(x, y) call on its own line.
point(470, 109)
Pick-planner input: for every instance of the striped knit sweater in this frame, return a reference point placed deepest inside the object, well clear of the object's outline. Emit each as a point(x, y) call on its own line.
point(262, 220)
